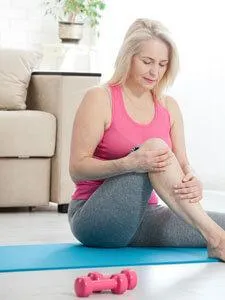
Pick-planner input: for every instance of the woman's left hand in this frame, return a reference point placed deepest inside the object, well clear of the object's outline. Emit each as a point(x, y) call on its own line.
point(190, 188)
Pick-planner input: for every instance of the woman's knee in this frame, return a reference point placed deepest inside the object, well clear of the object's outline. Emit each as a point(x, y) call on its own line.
point(154, 144)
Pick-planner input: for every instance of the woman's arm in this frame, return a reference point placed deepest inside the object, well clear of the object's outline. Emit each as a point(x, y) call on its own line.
point(190, 187)
point(92, 118)
point(90, 122)
point(177, 134)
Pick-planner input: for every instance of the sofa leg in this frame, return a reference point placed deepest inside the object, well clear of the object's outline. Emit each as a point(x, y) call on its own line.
point(63, 208)
point(30, 208)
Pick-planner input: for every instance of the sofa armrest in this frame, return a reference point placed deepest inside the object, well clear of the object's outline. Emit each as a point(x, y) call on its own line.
point(60, 93)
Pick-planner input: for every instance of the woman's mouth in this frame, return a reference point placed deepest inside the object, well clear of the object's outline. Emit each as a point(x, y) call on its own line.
point(149, 80)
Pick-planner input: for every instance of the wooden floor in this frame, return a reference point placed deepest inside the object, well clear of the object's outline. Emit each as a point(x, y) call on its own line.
point(45, 225)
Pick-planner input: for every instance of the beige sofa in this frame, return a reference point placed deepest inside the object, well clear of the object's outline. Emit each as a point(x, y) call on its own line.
point(35, 143)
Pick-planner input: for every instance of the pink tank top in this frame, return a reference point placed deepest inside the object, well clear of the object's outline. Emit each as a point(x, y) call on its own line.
point(123, 134)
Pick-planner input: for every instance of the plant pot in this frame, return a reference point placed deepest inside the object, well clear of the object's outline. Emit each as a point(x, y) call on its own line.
point(70, 32)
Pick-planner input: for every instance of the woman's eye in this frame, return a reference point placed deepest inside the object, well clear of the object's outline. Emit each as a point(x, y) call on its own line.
point(149, 62)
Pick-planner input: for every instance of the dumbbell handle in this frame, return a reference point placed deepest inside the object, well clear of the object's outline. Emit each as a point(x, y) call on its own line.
point(130, 275)
point(104, 284)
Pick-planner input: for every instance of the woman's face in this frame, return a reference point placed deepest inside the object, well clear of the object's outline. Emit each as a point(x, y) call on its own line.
point(150, 64)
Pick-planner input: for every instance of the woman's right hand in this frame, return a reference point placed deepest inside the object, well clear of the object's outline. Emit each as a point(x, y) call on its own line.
point(143, 160)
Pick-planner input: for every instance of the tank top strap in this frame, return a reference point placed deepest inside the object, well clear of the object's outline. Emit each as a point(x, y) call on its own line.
point(116, 100)
point(116, 93)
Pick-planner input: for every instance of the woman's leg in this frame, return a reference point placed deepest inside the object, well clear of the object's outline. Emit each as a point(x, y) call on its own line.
point(161, 227)
point(192, 213)
point(112, 215)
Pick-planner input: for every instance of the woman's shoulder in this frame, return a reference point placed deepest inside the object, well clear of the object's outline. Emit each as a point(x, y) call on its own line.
point(97, 96)
point(171, 105)
point(168, 102)
point(98, 90)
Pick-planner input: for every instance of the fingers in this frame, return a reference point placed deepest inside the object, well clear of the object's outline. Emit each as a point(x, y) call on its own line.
point(189, 195)
point(162, 164)
point(157, 160)
point(188, 177)
point(191, 190)
point(192, 197)
point(187, 190)
point(163, 157)
point(193, 194)
point(160, 152)
point(195, 200)
point(193, 182)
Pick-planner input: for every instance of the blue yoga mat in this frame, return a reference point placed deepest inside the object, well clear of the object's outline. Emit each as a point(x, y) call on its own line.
point(73, 256)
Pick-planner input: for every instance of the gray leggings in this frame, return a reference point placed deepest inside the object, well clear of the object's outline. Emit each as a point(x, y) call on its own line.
point(118, 215)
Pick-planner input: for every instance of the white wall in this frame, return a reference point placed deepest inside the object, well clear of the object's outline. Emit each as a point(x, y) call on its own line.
point(197, 27)
point(23, 24)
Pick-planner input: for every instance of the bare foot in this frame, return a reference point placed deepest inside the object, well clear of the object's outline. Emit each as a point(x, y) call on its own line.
point(217, 251)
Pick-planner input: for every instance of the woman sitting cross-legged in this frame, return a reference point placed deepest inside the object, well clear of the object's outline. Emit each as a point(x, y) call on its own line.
point(128, 142)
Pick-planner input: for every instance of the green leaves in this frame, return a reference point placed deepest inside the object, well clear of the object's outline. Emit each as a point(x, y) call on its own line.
point(91, 9)
point(74, 6)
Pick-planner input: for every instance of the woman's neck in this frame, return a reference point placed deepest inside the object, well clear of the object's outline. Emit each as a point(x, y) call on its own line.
point(136, 92)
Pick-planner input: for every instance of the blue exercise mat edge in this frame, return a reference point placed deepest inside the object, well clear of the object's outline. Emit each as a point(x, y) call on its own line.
point(41, 257)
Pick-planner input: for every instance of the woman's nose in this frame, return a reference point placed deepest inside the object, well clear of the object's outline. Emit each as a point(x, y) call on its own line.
point(154, 70)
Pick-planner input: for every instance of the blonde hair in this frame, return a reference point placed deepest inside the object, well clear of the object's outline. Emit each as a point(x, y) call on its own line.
point(140, 31)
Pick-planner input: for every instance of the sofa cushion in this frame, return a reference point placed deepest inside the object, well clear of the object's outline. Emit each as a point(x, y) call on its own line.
point(15, 71)
point(27, 134)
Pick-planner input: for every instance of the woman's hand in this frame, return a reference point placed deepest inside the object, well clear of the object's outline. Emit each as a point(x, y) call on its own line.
point(143, 160)
point(190, 188)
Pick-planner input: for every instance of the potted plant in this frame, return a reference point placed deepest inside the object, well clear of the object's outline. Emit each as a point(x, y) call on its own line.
point(71, 15)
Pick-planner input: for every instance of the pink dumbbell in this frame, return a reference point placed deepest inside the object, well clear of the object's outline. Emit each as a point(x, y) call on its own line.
point(130, 274)
point(85, 286)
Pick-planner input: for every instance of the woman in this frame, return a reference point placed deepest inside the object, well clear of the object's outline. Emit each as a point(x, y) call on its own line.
point(127, 142)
